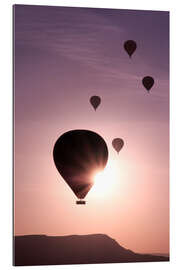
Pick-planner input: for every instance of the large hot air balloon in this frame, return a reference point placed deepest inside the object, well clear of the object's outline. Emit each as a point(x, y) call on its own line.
point(130, 47)
point(117, 143)
point(78, 155)
point(95, 101)
point(148, 82)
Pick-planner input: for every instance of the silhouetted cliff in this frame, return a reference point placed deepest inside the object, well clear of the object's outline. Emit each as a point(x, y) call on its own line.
point(74, 249)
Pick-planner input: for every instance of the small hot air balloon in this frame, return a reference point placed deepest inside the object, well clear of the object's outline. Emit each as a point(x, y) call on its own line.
point(148, 82)
point(78, 155)
point(117, 143)
point(95, 101)
point(130, 47)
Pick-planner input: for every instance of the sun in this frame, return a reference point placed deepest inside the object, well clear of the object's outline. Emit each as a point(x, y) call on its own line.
point(105, 181)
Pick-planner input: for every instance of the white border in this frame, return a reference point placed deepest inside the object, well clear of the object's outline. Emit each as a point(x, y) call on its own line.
point(6, 126)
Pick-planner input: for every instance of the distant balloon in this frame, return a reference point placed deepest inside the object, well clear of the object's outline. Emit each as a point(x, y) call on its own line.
point(148, 82)
point(78, 155)
point(130, 47)
point(117, 143)
point(95, 101)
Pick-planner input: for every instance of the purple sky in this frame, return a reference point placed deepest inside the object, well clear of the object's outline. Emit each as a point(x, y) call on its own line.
point(63, 56)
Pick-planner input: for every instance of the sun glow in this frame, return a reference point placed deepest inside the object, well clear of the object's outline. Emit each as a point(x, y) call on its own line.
point(105, 181)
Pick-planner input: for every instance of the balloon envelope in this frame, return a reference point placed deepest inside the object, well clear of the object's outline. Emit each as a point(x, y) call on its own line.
point(117, 143)
point(130, 47)
point(148, 82)
point(78, 155)
point(95, 101)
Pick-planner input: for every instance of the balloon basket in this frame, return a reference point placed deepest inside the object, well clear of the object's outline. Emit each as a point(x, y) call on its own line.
point(80, 202)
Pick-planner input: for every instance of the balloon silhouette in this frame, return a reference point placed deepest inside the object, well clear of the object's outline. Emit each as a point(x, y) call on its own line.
point(95, 101)
point(148, 82)
point(130, 47)
point(117, 143)
point(78, 155)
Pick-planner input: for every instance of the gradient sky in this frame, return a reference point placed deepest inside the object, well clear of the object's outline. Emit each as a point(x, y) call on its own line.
point(63, 56)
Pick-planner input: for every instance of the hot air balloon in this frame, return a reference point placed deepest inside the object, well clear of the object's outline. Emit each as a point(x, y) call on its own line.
point(148, 82)
point(117, 143)
point(95, 101)
point(78, 155)
point(130, 47)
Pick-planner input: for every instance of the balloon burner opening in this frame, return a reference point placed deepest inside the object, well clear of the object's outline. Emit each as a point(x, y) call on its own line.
point(80, 202)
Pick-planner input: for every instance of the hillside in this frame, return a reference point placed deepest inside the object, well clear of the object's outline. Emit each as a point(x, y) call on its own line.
point(74, 249)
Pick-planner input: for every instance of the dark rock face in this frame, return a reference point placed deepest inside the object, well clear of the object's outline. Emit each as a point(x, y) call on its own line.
point(74, 249)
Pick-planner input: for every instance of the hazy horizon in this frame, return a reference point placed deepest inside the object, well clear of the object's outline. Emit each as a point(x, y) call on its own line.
point(63, 56)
